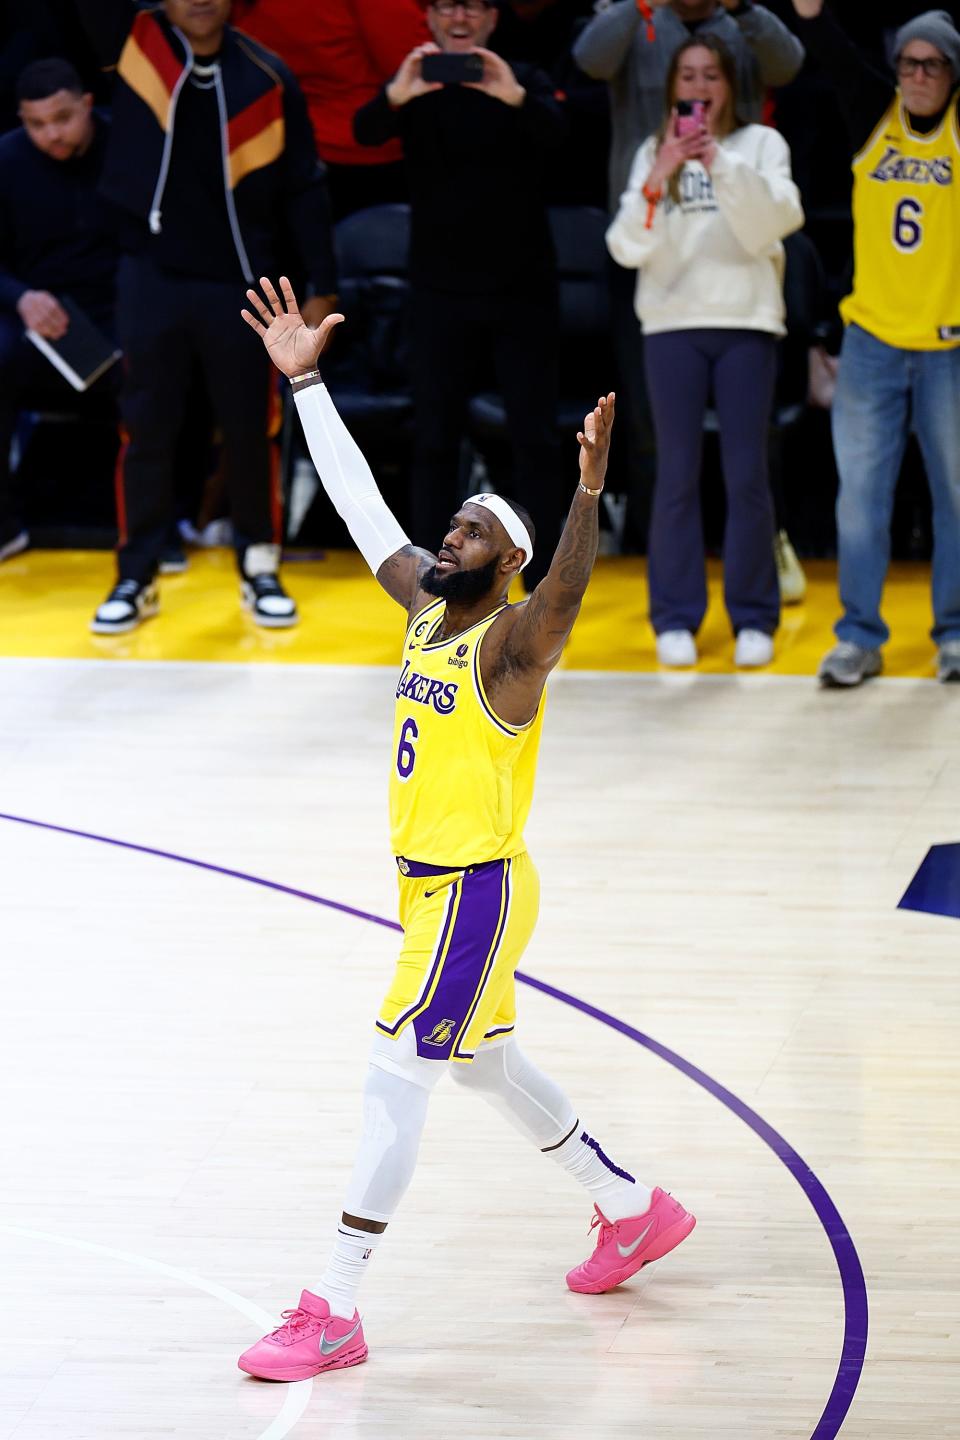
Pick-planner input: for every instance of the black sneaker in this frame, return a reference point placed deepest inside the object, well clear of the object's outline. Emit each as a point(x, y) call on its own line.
point(268, 602)
point(125, 607)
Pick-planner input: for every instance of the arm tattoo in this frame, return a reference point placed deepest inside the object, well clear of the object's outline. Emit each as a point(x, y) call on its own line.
point(549, 614)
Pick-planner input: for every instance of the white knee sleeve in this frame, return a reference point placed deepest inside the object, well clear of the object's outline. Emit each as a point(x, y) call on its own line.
point(532, 1102)
point(399, 1057)
point(394, 1111)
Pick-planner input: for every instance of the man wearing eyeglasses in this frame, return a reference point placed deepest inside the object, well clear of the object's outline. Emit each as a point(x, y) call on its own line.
point(900, 362)
point(482, 266)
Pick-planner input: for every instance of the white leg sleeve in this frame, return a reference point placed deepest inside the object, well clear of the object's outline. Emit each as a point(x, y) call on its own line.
point(394, 1111)
point(347, 478)
point(512, 1084)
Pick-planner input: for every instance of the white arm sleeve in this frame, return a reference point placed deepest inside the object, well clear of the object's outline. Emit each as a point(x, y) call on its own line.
point(347, 478)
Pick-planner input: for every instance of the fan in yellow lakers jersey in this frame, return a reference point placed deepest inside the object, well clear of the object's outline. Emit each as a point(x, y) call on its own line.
point(469, 709)
point(900, 361)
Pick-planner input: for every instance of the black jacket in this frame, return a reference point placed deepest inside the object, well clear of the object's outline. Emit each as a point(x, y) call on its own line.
point(475, 168)
point(56, 233)
point(273, 181)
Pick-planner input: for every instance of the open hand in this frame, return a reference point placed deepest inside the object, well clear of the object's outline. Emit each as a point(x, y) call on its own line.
point(594, 441)
point(291, 343)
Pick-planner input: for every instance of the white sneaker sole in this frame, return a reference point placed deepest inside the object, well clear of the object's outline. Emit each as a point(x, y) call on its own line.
point(123, 627)
point(271, 622)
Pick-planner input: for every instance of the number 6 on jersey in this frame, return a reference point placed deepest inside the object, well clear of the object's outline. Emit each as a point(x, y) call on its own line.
point(406, 754)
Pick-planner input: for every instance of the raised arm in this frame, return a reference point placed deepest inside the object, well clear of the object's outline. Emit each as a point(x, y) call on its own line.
point(519, 659)
point(294, 347)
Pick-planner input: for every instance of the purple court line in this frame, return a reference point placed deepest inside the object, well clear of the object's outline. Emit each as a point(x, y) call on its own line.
point(852, 1280)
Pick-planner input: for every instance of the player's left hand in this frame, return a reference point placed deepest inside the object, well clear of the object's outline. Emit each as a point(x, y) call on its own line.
point(498, 80)
point(594, 441)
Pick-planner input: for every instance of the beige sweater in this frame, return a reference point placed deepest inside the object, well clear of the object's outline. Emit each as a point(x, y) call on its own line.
point(714, 261)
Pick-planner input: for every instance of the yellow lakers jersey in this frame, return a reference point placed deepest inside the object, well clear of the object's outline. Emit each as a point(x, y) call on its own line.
point(461, 781)
point(906, 214)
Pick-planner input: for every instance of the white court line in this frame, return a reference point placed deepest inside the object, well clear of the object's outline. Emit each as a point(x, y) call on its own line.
point(298, 1392)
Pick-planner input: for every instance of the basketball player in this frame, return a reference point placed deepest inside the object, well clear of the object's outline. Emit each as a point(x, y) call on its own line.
point(468, 718)
point(900, 362)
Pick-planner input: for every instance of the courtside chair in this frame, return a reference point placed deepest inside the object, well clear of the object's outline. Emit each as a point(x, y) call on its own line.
point(366, 368)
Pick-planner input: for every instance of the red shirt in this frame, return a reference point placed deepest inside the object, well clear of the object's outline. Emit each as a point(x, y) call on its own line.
point(341, 51)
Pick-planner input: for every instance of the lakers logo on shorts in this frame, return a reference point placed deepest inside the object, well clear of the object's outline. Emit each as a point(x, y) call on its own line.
point(441, 1032)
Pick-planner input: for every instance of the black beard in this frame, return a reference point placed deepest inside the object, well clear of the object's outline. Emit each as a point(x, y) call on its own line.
point(460, 586)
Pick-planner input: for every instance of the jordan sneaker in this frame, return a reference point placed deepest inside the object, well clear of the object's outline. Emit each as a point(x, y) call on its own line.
point(625, 1246)
point(127, 606)
point(310, 1341)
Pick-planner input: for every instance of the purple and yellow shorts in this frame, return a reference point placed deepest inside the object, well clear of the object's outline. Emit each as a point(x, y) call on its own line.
point(464, 932)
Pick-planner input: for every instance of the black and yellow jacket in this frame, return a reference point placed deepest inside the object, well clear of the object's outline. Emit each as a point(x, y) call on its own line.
point(273, 182)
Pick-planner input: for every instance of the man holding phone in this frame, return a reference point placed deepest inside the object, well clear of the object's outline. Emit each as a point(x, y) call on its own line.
point(475, 132)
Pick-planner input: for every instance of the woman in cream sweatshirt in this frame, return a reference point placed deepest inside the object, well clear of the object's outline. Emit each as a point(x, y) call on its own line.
point(702, 220)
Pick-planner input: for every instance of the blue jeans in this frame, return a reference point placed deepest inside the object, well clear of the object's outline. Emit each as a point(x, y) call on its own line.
point(881, 393)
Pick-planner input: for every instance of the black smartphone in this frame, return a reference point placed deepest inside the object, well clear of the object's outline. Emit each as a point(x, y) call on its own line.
point(449, 69)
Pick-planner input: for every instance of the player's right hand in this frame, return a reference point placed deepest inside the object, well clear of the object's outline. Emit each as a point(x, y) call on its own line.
point(292, 344)
point(42, 312)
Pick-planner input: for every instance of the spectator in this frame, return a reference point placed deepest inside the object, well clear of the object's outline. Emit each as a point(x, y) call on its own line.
point(900, 359)
point(56, 243)
point(632, 54)
point(703, 217)
point(482, 267)
point(211, 163)
point(342, 51)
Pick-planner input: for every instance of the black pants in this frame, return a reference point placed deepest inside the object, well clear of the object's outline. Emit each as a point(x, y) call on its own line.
point(453, 338)
point(165, 323)
point(29, 382)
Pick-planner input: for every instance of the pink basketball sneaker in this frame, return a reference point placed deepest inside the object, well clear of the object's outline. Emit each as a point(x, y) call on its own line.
point(625, 1246)
point(311, 1341)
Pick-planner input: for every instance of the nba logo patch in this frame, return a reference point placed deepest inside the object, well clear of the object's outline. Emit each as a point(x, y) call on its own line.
point(440, 1033)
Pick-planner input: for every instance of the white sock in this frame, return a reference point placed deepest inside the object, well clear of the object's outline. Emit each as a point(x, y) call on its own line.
point(339, 1283)
point(394, 1111)
point(539, 1109)
point(613, 1191)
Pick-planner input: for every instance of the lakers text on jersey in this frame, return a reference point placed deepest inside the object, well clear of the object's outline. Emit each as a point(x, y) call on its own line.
point(906, 213)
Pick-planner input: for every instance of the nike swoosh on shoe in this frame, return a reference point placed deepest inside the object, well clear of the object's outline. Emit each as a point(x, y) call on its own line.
point(329, 1347)
point(627, 1250)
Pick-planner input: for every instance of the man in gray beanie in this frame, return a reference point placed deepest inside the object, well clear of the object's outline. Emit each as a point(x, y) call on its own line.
point(900, 361)
point(936, 27)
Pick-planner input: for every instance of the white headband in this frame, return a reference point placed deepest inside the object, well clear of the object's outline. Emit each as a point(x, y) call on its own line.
point(510, 521)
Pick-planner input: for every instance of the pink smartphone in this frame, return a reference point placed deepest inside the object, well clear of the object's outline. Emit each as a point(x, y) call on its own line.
point(689, 116)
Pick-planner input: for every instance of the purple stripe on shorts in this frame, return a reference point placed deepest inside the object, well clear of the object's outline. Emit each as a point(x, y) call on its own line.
point(475, 932)
point(491, 960)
